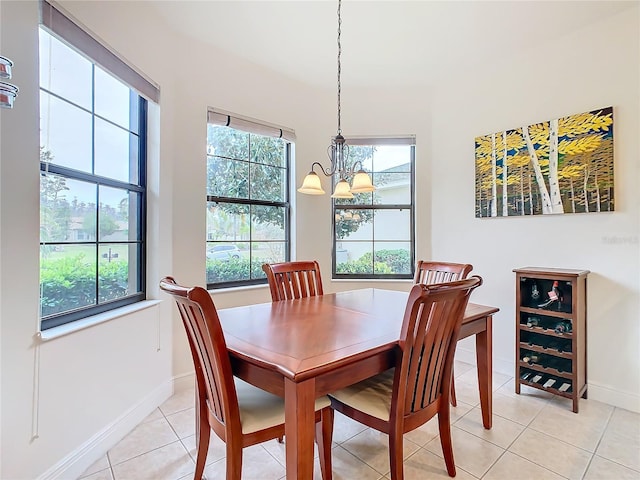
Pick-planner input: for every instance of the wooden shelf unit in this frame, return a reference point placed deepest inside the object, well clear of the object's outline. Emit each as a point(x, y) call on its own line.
point(561, 363)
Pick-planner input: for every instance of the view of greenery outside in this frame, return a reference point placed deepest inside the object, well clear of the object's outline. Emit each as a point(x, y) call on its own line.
point(247, 205)
point(91, 198)
point(373, 230)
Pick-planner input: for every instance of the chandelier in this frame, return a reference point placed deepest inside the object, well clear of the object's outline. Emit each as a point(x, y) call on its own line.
point(338, 153)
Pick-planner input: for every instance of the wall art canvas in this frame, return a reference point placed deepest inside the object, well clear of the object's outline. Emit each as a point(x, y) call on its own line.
point(563, 165)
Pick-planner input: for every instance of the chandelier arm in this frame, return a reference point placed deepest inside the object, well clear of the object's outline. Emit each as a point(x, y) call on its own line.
point(354, 168)
point(339, 66)
point(325, 171)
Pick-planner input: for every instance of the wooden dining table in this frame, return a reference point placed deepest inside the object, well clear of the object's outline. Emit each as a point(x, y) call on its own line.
point(301, 349)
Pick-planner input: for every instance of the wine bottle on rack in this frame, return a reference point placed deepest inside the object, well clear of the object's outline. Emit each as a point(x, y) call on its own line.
point(530, 357)
point(533, 322)
point(525, 375)
point(565, 387)
point(535, 293)
point(563, 326)
point(555, 295)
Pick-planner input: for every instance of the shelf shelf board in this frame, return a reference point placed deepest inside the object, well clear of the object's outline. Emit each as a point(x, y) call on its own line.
point(548, 370)
point(545, 331)
point(546, 389)
point(546, 351)
point(547, 313)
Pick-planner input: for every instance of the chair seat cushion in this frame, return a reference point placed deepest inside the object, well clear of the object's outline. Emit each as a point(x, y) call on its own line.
point(260, 409)
point(371, 396)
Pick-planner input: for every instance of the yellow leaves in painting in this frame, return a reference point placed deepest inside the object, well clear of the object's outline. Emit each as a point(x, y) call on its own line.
point(580, 145)
point(539, 133)
point(572, 171)
point(582, 123)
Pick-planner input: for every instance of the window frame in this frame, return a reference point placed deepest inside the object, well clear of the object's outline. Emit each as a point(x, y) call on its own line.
point(255, 127)
point(57, 25)
point(378, 141)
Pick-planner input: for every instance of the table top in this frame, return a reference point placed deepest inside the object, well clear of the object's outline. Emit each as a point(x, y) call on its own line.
point(305, 337)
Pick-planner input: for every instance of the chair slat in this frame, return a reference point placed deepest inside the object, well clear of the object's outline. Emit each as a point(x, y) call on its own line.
point(440, 272)
point(290, 280)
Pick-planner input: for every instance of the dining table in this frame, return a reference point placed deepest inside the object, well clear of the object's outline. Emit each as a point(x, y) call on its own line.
point(303, 348)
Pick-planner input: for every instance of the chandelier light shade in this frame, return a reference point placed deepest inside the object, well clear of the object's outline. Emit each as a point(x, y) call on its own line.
point(342, 190)
point(338, 153)
point(312, 184)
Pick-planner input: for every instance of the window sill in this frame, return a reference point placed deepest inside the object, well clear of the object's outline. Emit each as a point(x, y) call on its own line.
point(93, 320)
point(213, 291)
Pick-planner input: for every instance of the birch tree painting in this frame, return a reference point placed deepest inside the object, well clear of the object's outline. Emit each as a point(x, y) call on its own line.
point(564, 165)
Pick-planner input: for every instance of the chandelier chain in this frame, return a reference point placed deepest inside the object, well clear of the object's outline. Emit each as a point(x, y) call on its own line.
point(339, 68)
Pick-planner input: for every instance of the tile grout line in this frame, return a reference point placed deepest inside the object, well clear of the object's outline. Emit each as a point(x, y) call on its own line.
point(526, 426)
point(599, 441)
point(537, 464)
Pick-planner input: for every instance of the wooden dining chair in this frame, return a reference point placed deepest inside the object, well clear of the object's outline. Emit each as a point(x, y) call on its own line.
point(441, 272)
point(289, 280)
point(239, 413)
point(418, 387)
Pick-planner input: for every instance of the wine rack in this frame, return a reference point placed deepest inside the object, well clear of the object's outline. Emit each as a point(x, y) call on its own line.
point(551, 331)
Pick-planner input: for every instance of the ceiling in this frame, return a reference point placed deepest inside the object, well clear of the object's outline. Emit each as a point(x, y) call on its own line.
point(384, 43)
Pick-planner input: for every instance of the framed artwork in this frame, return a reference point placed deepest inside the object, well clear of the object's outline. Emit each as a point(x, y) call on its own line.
point(563, 165)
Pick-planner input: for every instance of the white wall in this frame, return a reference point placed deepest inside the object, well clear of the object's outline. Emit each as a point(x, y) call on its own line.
point(595, 67)
point(65, 401)
point(88, 370)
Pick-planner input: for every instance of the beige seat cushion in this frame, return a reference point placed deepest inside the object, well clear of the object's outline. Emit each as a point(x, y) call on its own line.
point(371, 396)
point(260, 409)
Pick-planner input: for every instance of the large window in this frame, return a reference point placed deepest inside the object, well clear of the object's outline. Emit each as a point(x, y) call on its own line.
point(92, 179)
point(248, 209)
point(374, 232)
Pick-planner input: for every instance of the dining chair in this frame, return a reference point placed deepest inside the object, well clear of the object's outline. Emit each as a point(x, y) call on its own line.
point(440, 272)
point(289, 280)
point(239, 413)
point(405, 397)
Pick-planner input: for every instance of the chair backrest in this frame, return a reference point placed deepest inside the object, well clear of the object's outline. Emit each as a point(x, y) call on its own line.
point(289, 280)
point(210, 356)
point(440, 272)
point(430, 329)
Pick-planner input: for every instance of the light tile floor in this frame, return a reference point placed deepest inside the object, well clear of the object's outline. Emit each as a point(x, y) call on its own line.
point(535, 436)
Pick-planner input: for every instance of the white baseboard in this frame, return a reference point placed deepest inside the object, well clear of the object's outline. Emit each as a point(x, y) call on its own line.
point(77, 462)
point(617, 398)
point(184, 381)
point(595, 391)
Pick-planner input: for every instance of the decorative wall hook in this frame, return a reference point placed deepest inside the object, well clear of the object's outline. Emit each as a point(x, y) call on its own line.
point(8, 91)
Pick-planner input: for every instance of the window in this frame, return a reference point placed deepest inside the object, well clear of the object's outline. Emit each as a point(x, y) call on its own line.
point(92, 177)
point(374, 232)
point(248, 208)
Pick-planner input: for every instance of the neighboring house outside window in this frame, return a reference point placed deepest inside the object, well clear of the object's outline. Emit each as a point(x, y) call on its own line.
point(374, 232)
point(248, 206)
point(92, 178)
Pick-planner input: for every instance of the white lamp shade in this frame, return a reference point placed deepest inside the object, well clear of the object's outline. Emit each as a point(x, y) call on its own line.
point(362, 183)
point(311, 184)
point(342, 190)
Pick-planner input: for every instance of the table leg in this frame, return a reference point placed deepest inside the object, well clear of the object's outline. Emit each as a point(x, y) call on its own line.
point(485, 367)
point(299, 399)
